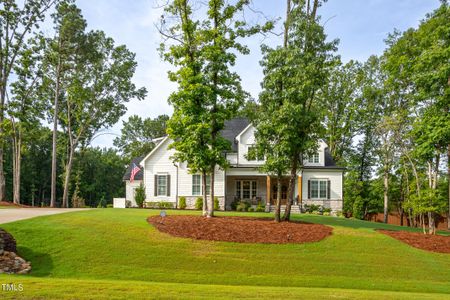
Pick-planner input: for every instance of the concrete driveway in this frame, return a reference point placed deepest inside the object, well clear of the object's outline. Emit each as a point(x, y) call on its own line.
point(14, 214)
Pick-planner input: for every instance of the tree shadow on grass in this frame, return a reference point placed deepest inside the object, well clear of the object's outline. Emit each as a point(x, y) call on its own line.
point(357, 224)
point(41, 263)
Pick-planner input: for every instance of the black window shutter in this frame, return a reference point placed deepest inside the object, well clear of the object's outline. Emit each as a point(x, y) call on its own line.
point(155, 186)
point(309, 189)
point(168, 185)
point(328, 189)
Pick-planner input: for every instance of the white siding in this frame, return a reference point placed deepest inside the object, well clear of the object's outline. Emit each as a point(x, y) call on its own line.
point(185, 182)
point(321, 150)
point(129, 190)
point(159, 163)
point(246, 139)
point(335, 177)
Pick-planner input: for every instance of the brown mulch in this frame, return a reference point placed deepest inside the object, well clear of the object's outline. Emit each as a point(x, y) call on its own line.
point(434, 243)
point(240, 229)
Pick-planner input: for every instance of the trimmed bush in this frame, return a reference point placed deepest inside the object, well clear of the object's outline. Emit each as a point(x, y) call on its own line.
point(251, 209)
point(109, 206)
point(199, 203)
point(243, 206)
point(159, 204)
point(127, 203)
point(139, 195)
point(216, 203)
point(261, 207)
point(182, 203)
point(234, 204)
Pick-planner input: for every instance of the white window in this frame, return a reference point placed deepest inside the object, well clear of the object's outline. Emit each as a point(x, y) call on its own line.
point(245, 189)
point(197, 184)
point(319, 188)
point(314, 159)
point(161, 185)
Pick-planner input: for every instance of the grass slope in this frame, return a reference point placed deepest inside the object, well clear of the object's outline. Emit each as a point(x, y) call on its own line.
point(71, 252)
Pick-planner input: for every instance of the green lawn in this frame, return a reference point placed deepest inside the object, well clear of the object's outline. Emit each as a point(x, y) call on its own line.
point(114, 253)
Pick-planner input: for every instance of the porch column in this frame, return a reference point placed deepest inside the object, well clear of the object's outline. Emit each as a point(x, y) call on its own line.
point(268, 190)
point(299, 190)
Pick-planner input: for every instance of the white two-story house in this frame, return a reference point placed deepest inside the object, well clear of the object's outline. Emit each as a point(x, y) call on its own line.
point(319, 182)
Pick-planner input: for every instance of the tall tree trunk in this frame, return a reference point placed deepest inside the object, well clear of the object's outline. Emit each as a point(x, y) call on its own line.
point(448, 182)
point(2, 145)
point(278, 206)
point(68, 170)
point(386, 196)
point(205, 194)
point(291, 188)
point(211, 197)
point(17, 159)
point(55, 133)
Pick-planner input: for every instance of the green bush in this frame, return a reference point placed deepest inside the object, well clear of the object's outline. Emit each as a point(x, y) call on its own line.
point(101, 203)
point(139, 195)
point(216, 203)
point(313, 209)
point(158, 204)
point(243, 206)
point(109, 206)
point(234, 204)
point(261, 207)
point(251, 209)
point(127, 203)
point(199, 203)
point(182, 203)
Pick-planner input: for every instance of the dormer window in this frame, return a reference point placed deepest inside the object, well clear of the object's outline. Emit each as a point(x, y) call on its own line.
point(251, 148)
point(314, 159)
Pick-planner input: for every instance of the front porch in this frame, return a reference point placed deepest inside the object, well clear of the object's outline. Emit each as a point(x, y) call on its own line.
point(256, 189)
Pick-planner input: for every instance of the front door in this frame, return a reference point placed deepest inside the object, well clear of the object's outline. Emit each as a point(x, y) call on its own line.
point(284, 188)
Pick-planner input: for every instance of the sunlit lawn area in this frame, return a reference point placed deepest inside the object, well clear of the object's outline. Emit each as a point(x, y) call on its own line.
point(116, 253)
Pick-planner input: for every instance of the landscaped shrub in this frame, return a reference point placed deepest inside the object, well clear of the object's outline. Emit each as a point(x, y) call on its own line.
point(127, 203)
point(234, 204)
point(139, 195)
point(158, 204)
point(182, 203)
point(251, 209)
point(77, 200)
point(358, 208)
point(109, 206)
point(261, 207)
point(199, 203)
point(313, 209)
point(243, 206)
point(216, 203)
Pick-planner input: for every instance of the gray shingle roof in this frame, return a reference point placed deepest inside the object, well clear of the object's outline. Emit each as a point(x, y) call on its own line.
point(140, 174)
point(232, 128)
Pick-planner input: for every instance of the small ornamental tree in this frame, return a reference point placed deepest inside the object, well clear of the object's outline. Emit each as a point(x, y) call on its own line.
point(139, 195)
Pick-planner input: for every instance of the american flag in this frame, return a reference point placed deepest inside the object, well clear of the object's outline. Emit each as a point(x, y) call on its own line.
point(134, 171)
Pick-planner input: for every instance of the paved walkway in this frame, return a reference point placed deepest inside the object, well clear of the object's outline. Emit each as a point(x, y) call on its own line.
point(14, 214)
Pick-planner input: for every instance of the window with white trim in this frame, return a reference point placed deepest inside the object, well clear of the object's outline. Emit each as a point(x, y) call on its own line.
point(161, 185)
point(245, 189)
point(314, 159)
point(251, 148)
point(197, 184)
point(319, 188)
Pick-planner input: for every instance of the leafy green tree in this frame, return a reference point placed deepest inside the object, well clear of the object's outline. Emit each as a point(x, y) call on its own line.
point(294, 76)
point(59, 63)
point(137, 135)
point(209, 92)
point(96, 96)
point(16, 24)
point(24, 108)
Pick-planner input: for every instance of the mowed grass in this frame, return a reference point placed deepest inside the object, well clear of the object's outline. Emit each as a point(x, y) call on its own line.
point(115, 253)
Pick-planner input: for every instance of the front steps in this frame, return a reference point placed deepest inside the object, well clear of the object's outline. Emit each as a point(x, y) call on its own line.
point(295, 209)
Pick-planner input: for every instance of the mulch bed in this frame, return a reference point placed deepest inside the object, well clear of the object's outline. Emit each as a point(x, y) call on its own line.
point(240, 229)
point(434, 243)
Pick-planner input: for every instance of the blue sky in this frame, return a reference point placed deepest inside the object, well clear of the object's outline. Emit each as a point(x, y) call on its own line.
point(360, 25)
